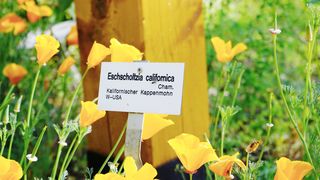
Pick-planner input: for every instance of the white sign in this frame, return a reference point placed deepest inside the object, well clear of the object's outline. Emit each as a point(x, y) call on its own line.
point(141, 87)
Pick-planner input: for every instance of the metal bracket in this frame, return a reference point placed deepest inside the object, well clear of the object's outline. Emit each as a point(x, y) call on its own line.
point(134, 137)
point(134, 132)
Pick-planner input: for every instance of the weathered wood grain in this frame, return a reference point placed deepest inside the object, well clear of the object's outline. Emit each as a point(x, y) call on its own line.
point(166, 31)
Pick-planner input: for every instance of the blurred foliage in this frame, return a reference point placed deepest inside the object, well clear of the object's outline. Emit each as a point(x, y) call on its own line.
point(249, 21)
point(13, 50)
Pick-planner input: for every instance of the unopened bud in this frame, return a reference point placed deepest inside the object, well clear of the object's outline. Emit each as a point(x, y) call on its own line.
point(309, 33)
point(18, 105)
point(6, 116)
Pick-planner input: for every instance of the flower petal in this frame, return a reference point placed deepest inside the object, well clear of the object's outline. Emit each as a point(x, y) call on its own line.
point(130, 167)
point(153, 123)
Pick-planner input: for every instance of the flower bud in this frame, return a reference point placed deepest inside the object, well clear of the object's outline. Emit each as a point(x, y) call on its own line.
point(309, 33)
point(6, 116)
point(18, 105)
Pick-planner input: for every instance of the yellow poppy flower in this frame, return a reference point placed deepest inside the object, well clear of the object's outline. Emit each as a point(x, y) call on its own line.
point(123, 52)
point(46, 46)
point(97, 54)
point(147, 172)
point(35, 12)
point(12, 23)
point(90, 113)
point(191, 152)
point(10, 169)
point(153, 123)
point(291, 170)
point(72, 38)
point(66, 65)
point(14, 72)
point(224, 51)
point(109, 176)
point(223, 167)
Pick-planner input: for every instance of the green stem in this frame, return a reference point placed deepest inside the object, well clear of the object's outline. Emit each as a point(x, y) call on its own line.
point(237, 86)
point(63, 167)
point(269, 128)
point(74, 96)
point(208, 172)
point(42, 103)
point(308, 83)
point(8, 94)
point(55, 167)
point(220, 102)
point(32, 95)
point(222, 140)
point(6, 100)
point(35, 149)
point(11, 142)
point(113, 148)
point(3, 142)
point(293, 122)
point(121, 168)
point(119, 154)
point(190, 176)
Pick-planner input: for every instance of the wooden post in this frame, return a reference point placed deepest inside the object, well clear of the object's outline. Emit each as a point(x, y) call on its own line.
point(166, 31)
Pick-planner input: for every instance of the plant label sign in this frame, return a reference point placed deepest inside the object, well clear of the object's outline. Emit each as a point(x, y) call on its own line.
point(141, 87)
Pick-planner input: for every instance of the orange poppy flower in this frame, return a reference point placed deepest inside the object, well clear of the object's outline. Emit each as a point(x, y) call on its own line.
point(224, 51)
point(223, 166)
point(90, 113)
point(97, 54)
point(10, 169)
point(146, 172)
point(153, 123)
point(46, 46)
point(123, 52)
point(12, 23)
point(14, 72)
point(35, 12)
point(72, 38)
point(291, 170)
point(66, 65)
point(191, 152)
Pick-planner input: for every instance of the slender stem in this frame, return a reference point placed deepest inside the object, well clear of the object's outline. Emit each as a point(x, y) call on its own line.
point(237, 86)
point(308, 83)
point(292, 120)
point(6, 100)
point(220, 102)
point(25, 150)
point(74, 96)
point(55, 167)
point(63, 167)
point(8, 94)
point(247, 160)
point(190, 176)
point(208, 172)
point(11, 142)
point(3, 142)
point(119, 154)
point(32, 95)
point(269, 128)
point(44, 100)
point(78, 142)
point(222, 140)
point(35, 150)
point(121, 168)
point(113, 149)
